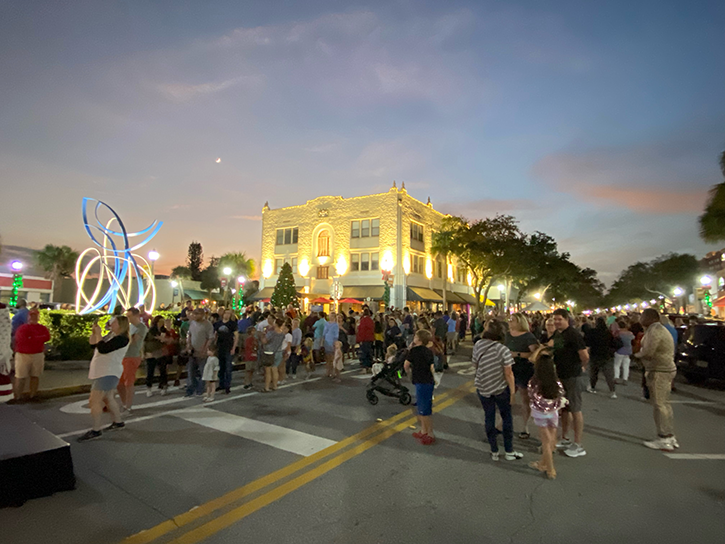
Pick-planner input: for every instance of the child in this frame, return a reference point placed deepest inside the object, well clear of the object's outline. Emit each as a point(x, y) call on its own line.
point(419, 364)
point(390, 354)
point(250, 347)
point(546, 394)
point(308, 357)
point(337, 362)
point(211, 370)
point(286, 351)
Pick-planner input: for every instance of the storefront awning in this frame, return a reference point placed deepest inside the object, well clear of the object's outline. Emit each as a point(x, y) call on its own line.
point(467, 299)
point(719, 302)
point(194, 294)
point(362, 292)
point(422, 294)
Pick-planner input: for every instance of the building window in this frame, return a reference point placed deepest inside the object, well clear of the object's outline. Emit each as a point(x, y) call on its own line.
point(278, 266)
point(354, 262)
point(365, 261)
point(418, 264)
point(374, 259)
point(416, 231)
point(287, 236)
point(462, 274)
point(375, 227)
point(323, 272)
point(323, 244)
point(365, 228)
point(294, 265)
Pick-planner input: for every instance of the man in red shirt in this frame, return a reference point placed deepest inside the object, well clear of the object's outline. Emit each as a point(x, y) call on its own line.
point(30, 342)
point(366, 337)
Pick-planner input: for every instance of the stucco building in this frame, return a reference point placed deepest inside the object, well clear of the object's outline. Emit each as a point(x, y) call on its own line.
point(352, 241)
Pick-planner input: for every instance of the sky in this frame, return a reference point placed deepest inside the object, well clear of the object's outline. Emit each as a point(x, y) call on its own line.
point(599, 123)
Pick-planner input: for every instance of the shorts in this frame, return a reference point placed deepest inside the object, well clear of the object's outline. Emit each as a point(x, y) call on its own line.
point(545, 419)
point(268, 359)
point(523, 372)
point(352, 340)
point(278, 356)
point(452, 336)
point(105, 383)
point(573, 389)
point(424, 398)
point(29, 365)
point(130, 366)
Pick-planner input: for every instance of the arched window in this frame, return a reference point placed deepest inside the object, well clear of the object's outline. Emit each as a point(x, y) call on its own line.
point(323, 244)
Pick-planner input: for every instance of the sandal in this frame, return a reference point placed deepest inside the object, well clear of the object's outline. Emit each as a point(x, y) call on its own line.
point(524, 435)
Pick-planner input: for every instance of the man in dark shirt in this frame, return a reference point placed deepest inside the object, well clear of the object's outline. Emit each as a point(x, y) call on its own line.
point(419, 363)
point(440, 329)
point(571, 358)
point(226, 343)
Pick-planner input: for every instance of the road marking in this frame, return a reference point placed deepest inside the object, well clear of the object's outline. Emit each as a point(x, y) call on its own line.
point(149, 535)
point(233, 516)
point(694, 402)
point(225, 398)
point(697, 456)
point(265, 433)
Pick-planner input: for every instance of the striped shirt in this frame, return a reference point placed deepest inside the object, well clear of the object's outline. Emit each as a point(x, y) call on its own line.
point(490, 358)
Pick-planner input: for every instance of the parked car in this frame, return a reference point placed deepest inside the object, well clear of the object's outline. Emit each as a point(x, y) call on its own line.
point(701, 354)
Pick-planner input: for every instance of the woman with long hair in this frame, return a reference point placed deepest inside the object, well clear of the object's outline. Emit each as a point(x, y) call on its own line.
point(522, 345)
point(105, 370)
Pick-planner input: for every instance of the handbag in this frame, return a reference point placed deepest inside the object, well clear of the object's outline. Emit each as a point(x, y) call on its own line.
point(267, 358)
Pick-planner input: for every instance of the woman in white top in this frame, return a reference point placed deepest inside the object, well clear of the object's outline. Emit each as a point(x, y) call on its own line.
point(105, 370)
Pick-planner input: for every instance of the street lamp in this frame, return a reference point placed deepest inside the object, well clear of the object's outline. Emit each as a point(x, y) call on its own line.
point(174, 285)
point(153, 257)
point(678, 292)
point(16, 267)
point(227, 271)
point(705, 280)
point(537, 296)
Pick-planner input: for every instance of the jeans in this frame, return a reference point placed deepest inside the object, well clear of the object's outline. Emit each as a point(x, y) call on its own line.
point(621, 362)
point(379, 350)
point(606, 366)
point(194, 383)
point(151, 365)
point(225, 369)
point(660, 386)
point(503, 402)
point(366, 354)
point(293, 362)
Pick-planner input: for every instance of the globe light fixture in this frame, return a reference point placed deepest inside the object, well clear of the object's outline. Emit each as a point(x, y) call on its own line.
point(241, 280)
point(16, 266)
point(678, 291)
point(267, 269)
point(705, 280)
point(174, 284)
point(304, 267)
point(153, 255)
point(537, 296)
point(500, 287)
point(227, 271)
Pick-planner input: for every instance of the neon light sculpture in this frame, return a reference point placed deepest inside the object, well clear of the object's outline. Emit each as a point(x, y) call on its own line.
point(119, 265)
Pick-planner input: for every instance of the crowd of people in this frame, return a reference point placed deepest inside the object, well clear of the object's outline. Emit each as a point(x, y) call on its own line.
point(537, 361)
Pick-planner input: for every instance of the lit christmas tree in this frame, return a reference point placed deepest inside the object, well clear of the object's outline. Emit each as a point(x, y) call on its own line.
point(285, 291)
point(17, 285)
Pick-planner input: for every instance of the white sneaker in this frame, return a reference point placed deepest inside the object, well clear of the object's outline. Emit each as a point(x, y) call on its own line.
point(674, 442)
point(563, 444)
point(149, 392)
point(282, 382)
point(494, 456)
point(513, 456)
point(662, 444)
point(613, 396)
point(164, 392)
point(591, 390)
point(575, 450)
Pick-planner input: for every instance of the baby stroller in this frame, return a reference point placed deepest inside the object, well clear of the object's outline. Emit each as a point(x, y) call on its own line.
point(387, 381)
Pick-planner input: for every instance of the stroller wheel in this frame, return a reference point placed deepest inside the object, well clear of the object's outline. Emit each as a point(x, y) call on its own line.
point(405, 399)
point(372, 398)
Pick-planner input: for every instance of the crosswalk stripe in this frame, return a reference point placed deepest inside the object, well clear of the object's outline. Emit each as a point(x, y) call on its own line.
point(265, 433)
point(697, 456)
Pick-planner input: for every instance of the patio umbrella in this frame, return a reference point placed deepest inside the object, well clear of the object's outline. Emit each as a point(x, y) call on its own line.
point(351, 301)
point(321, 300)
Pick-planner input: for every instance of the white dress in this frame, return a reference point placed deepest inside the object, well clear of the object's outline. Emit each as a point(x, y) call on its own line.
point(211, 370)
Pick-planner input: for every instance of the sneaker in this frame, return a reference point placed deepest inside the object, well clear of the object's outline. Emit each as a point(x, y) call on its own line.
point(114, 426)
point(563, 444)
point(575, 450)
point(149, 392)
point(90, 435)
point(208, 399)
point(247, 386)
point(417, 435)
point(164, 391)
point(494, 456)
point(427, 440)
point(513, 455)
point(293, 377)
point(662, 444)
point(613, 396)
point(674, 442)
point(591, 390)
point(188, 395)
point(283, 382)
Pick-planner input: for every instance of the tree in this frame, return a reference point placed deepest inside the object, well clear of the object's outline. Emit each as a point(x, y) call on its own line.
point(209, 280)
point(442, 246)
point(58, 262)
point(195, 260)
point(181, 273)
point(712, 221)
point(658, 277)
point(285, 291)
point(239, 263)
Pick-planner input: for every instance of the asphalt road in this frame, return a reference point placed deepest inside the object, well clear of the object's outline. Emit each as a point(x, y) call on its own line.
point(315, 462)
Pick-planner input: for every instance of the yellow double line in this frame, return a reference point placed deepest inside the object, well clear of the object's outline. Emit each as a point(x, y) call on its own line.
point(377, 433)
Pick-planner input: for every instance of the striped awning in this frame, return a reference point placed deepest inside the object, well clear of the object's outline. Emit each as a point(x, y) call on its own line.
point(422, 294)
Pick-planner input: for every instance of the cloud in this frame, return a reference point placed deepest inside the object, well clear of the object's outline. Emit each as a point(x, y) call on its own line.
point(477, 209)
point(246, 217)
point(181, 92)
point(670, 175)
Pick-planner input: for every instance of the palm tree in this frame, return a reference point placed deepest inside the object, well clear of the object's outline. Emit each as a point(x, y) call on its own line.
point(58, 262)
point(712, 222)
point(442, 244)
point(239, 263)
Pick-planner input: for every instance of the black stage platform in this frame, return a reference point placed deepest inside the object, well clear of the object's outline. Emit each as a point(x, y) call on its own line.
point(33, 462)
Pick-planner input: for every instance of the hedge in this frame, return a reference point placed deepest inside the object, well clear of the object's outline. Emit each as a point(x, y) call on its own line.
point(69, 332)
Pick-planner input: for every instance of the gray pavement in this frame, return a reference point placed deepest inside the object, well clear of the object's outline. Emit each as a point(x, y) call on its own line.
point(382, 487)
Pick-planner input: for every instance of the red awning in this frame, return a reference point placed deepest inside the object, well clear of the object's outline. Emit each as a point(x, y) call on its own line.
point(719, 302)
point(350, 301)
point(321, 300)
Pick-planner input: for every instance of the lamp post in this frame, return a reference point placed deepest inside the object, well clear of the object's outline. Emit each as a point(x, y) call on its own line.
point(227, 271)
point(678, 292)
point(17, 268)
point(153, 257)
point(240, 292)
